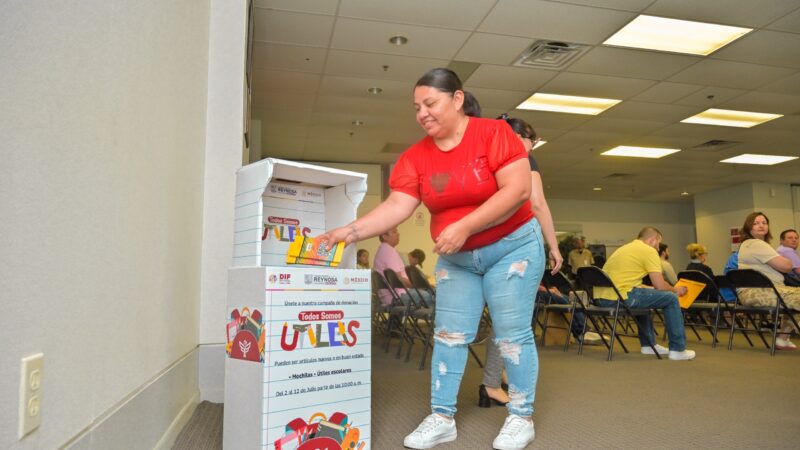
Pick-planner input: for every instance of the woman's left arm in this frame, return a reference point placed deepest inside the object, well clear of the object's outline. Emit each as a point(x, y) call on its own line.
point(542, 213)
point(513, 190)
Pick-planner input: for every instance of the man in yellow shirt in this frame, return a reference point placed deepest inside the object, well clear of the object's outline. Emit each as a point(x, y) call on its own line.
point(626, 267)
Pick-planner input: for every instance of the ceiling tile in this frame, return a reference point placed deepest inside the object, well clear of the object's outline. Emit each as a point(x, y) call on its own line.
point(625, 5)
point(288, 57)
point(286, 27)
point(282, 146)
point(425, 42)
point(631, 63)
point(362, 108)
point(459, 14)
point(667, 92)
point(709, 97)
point(743, 13)
point(789, 22)
point(548, 20)
point(511, 78)
point(309, 6)
point(651, 112)
point(788, 85)
point(498, 99)
point(371, 65)
point(765, 102)
point(730, 74)
point(285, 81)
point(493, 48)
point(556, 121)
point(283, 100)
point(595, 86)
point(357, 87)
point(622, 126)
point(772, 48)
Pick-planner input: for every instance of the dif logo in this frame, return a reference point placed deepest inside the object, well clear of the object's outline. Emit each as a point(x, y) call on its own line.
point(285, 278)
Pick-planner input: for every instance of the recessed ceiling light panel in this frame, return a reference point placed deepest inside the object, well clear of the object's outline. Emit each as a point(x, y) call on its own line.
point(640, 152)
point(674, 35)
point(731, 118)
point(567, 104)
point(762, 160)
point(539, 144)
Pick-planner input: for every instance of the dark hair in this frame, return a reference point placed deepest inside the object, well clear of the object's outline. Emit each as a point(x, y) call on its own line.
point(785, 232)
point(519, 126)
point(418, 254)
point(748, 226)
point(662, 247)
point(445, 80)
point(361, 252)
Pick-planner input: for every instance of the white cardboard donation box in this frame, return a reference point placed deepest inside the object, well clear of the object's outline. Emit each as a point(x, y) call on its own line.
point(297, 373)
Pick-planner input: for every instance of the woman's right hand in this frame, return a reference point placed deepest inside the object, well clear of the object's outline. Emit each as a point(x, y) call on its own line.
point(342, 234)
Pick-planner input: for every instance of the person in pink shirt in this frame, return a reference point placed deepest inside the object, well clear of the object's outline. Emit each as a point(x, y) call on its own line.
point(387, 257)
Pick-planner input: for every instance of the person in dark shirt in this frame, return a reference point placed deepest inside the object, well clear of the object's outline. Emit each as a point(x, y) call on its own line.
point(698, 255)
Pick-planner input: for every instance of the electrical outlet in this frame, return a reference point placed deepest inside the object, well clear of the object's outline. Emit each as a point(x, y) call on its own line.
point(30, 393)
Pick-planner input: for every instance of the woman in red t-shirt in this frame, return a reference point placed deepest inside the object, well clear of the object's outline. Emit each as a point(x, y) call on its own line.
point(474, 177)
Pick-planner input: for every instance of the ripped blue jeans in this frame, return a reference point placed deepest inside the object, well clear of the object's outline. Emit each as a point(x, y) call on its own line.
point(504, 275)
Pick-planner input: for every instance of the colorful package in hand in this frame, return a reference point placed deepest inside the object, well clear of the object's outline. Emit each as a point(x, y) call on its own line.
point(307, 250)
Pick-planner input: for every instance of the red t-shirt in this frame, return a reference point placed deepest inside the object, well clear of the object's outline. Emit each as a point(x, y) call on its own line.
point(452, 184)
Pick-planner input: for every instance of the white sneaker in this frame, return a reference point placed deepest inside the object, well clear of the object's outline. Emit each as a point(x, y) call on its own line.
point(591, 338)
point(681, 356)
point(661, 350)
point(784, 344)
point(516, 434)
point(434, 430)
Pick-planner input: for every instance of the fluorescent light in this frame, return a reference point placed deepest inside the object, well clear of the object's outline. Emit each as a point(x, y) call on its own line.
point(673, 35)
point(597, 189)
point(640, 152)
point(763, 160)
point(539, 144)
point(567, 104)
point(731, 118)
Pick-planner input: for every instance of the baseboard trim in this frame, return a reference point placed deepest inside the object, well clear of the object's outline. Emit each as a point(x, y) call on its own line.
point(171, 435)
point(133, 422)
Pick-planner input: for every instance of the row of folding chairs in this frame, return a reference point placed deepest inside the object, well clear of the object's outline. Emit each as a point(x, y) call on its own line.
point(413, 320)
point(711, 311)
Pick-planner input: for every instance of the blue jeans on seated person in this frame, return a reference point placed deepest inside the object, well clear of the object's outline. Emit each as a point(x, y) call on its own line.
point(504, 276)
point(673, 317)
point(577, 321)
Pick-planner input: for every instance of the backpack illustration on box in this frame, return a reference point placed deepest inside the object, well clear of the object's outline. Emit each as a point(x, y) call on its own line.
point(245, 333)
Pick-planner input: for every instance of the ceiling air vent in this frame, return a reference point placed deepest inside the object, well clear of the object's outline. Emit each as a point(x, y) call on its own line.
point(553, 55)
point(716, 144)
point(619, 176)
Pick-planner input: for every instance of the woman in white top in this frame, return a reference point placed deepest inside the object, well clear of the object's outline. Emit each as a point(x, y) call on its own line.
point(756, 253)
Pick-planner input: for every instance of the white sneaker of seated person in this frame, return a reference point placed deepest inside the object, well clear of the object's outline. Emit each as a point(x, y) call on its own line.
point(591, 338)
point(516, 434)
point(673, 355)
point(434, 430)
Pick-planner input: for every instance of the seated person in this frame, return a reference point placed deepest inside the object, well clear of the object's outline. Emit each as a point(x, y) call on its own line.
point(698, 255)
point(387, 257)
point(732, 264)
point(555, 296)
point(788, 249)
point(415, 259)
point(756, 253)
point(666, 267)
point(626, 267)
point(580, 256)
point(362, 259)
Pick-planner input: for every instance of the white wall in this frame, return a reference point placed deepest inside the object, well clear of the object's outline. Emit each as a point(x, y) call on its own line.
point(616, 223)
point(720, 210)
point(102, 118)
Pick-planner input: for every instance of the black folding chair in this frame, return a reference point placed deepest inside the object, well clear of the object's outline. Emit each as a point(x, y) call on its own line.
point(727, 312)
point(416, 311)
point(705, 311)
point(749, 278)
point(420, 284)
point(591, 278)
point(395, 311)
point(380, 322)
point(560, 283)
